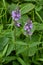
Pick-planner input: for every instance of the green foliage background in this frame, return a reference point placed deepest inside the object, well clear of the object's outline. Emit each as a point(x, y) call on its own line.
point(15, 47)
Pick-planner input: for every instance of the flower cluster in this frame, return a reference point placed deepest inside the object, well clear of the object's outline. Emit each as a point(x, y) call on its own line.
point(28, 26)
point(16, 15)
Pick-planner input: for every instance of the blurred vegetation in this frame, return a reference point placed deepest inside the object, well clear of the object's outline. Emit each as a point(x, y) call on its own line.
point(15, 47)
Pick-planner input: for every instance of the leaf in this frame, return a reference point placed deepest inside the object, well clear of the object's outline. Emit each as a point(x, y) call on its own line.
point(15, 63)
point(10, 48)
point(38, 8)
point(12, 7)
point(8, 59)
point(40, 2)
point(5, 49)
point(2, 53)
point(38, 26)
point(30, 0)
point(22, 47)
point(3, 42)
point(1, 28)
point(28, 7)
point(30, 51)
point(21, 61)
point(40, 59)
point(39, 16)
point(15, 0)
point(21, 43)
point(34, 44)
point(11, 36)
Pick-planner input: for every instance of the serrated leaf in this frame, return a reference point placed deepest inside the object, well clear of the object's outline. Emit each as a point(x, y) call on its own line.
point(25, 9)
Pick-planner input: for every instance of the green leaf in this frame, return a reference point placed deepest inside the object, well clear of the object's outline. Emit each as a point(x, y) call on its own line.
point(5, 49)
point(39, 16)
point(30, 51)
point(21, 61)
point(12, 7)
point(3, 42)
point(10, 48)
point(1, 28)
point(34, 44)
point(21, 43)
point(28, 7)
point(8, 59)
point(30, 0)
point(10, 34)
point(40, 59)
point(20, 47)
point(38, 8)
point(2, 53)
point(15, 63)
point(38, 26)
point(15, 0)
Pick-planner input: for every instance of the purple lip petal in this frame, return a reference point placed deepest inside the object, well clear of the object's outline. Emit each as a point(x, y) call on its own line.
point(18, 24)
point(28, 30)
point(26, 27)
point(18, 15)
point(16, 19)
point(30, 26)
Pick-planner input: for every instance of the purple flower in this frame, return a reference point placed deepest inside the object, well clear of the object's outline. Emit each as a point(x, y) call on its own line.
point(16, 14)
point(17, 24)
point(28, 26)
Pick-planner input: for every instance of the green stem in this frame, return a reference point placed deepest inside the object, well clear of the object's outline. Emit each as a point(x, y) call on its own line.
point(33, 15)
point(39, 16)
point(4, 3)
point(15, 35)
